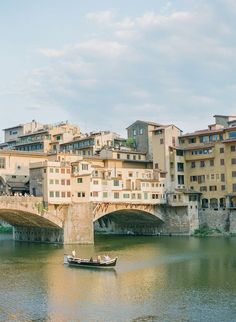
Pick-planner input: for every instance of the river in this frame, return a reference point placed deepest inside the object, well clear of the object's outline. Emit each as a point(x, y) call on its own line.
point(156, 279)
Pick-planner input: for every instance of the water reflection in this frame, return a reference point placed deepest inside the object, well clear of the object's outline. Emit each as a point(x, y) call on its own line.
point(156, 279)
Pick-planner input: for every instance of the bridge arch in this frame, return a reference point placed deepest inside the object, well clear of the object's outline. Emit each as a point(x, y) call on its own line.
point(127, 219)
point(27, 212)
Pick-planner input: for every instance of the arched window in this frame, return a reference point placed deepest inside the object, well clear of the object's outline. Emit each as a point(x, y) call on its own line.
point(213, 203)
point(204, 203)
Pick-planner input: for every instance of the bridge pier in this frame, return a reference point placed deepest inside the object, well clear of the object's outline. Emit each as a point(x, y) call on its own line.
point(78, 224)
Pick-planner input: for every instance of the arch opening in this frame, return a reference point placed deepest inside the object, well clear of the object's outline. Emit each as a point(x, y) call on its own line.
point(128, 222)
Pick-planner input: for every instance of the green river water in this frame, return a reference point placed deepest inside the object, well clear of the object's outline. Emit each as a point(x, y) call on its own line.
point(156, 279)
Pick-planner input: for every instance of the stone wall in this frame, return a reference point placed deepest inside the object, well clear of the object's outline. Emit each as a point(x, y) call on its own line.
point(216, 219)
point(176, 220)
point(232, 218)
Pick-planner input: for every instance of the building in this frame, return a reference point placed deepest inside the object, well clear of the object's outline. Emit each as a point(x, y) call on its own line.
point(209, 161)
point(12, 134)
point(37, 137)
point(90, 144)
point(97, 179)
point(52, 180)
point(164, 140)
point(141, 134)
point(14, 170)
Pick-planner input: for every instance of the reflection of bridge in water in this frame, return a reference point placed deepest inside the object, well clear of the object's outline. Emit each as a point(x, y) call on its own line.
point(35, 221)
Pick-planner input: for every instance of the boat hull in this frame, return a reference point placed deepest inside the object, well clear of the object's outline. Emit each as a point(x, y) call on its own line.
point(87, 263)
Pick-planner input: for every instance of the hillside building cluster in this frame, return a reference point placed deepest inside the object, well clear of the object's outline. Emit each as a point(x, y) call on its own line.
point(155, 164)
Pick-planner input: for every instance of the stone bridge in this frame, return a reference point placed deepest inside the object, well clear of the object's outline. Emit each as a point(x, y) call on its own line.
point(35, 221)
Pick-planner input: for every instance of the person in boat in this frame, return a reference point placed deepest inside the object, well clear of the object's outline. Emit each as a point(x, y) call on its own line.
point(73, 253)
point(106, 258)
point(91, 259)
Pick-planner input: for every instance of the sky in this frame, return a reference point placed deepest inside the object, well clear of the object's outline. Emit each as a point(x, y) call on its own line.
point(103, 64)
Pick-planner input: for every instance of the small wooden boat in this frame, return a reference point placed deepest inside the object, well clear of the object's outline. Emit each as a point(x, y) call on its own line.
point(83, 262)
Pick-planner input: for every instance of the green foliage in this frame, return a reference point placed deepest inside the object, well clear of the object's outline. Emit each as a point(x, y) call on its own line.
point(205, 231)
point(130, 142)
point(6, 229)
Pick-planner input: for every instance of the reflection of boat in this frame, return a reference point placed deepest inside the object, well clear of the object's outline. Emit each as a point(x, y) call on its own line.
point(83, 262)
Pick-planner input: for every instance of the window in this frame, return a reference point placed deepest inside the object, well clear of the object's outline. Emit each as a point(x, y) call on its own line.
point(116, 195)
point(232, 135)
point(232, 148)
point(79, 180)
point(233, 174)
point(193, 178)
point(67, 170)
point(134, 157)
point(81, 194)
point(126, 195)
point(181, 179)
point(134, 132)
point(222, 187)
point(63, 194)
point(57, 170)
point(68, 182)
point(180, 167)
point(222, 161)
point(212, 163)
point(128, 156)
point(63, 170)
point(2, 163)
point(202, 164)
point(51, 194)
point(179, 152)
point(161, 141)
point(156, 165)
point(222, 150)
point(105, 194)
point(193, 164)
point(57, 194)
point(116, 183)
point(51, 181)
point(118, 155)
point(139, 196)
point(212, 176)
point(141, 131)
point(51, 170)
point(213, 188)
point(234, 187)
point(95, 182)
point(84, 166)
point(222, 176)
point(204, 138)
point(203, 188)
point(63, 182)
point(68, 194)
point(95, 193)
point(192, 140)
point(233, 161)
point(56, 181)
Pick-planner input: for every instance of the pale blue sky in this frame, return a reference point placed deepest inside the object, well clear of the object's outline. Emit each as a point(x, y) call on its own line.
point(104, 64)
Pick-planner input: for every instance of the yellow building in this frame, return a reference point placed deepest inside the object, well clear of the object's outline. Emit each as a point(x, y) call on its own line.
point(210, 162)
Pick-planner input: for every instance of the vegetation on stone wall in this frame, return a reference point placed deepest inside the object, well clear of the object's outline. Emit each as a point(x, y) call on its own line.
point(205, 231)
point(6, 229)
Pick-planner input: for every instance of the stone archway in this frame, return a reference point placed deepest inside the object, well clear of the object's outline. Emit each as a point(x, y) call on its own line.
point(128, 222)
